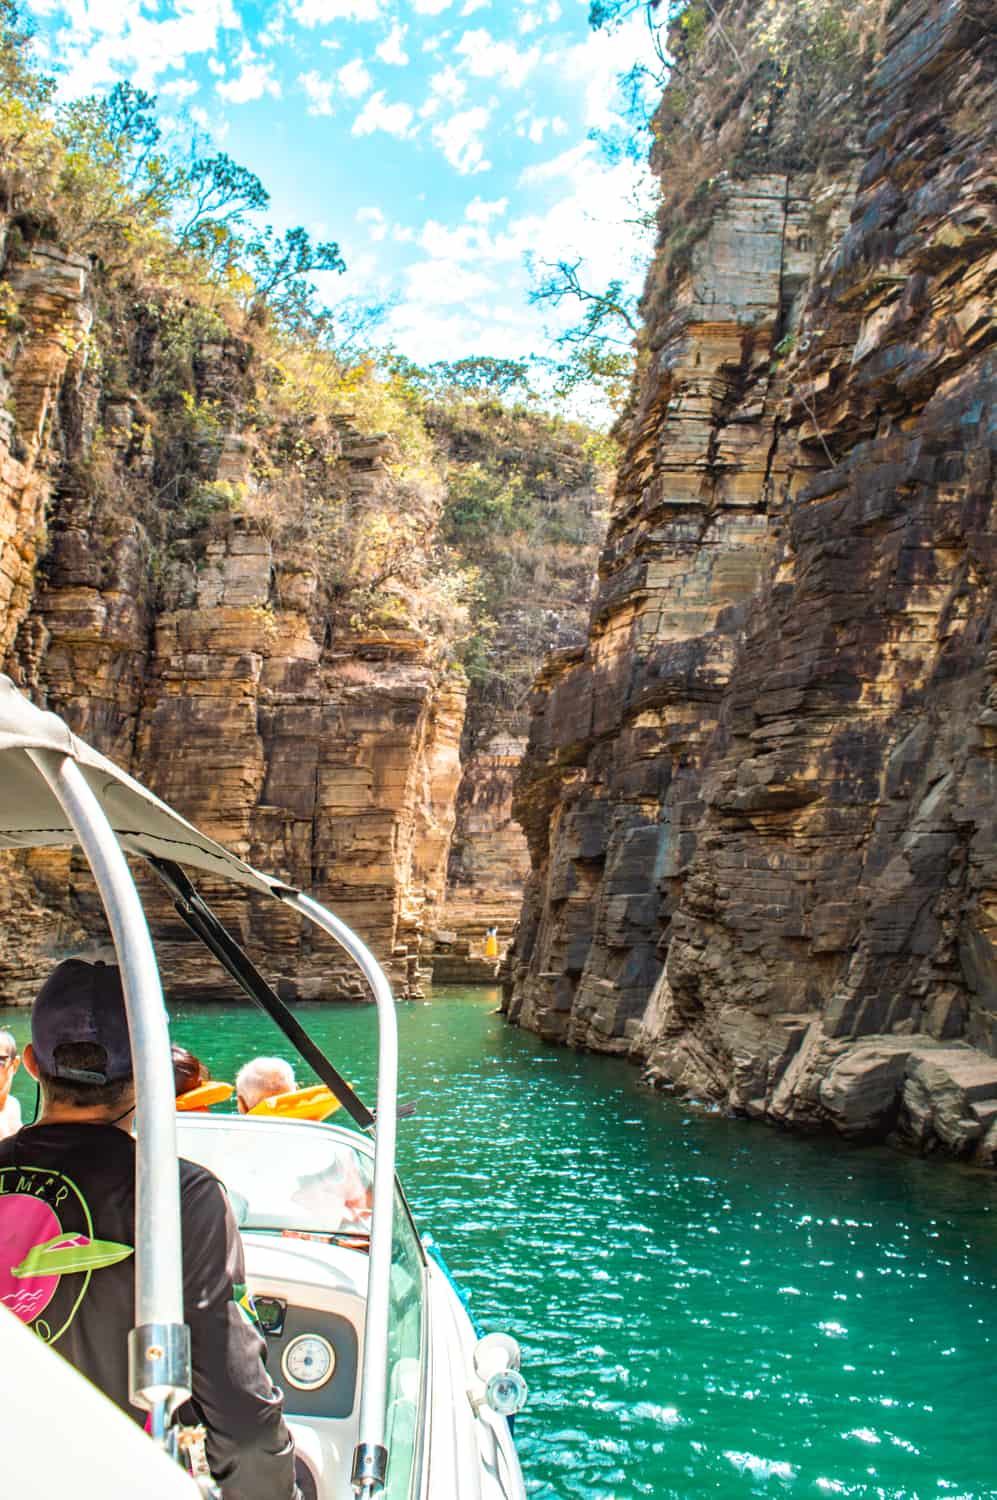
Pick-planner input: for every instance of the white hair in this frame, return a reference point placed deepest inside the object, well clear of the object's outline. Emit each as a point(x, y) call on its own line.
point(262, 1078)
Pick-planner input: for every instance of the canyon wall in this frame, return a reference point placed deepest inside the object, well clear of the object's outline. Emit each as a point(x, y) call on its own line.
point(206, 659)
point(760, 799)
point(536, 559)
point(254, 603)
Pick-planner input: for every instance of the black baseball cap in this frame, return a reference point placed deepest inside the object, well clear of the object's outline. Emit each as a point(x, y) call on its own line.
point(82, 1002)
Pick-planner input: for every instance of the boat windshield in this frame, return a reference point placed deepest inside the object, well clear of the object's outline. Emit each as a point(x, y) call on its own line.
point(290, 1176)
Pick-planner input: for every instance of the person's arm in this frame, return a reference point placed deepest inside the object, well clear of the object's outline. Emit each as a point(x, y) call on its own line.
point(248, 1446)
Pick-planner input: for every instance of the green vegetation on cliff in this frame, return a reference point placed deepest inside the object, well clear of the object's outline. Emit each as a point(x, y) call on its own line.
point(215, 384)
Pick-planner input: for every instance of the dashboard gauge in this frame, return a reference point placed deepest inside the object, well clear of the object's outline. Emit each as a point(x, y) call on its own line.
point(308, 1362)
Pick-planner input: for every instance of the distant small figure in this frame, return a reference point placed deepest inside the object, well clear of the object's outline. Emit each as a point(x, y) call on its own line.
point(10, 1061)
point(491, 943)
point(262, 1079)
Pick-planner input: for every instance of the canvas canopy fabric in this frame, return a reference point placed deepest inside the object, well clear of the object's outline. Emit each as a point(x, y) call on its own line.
point(30, 814)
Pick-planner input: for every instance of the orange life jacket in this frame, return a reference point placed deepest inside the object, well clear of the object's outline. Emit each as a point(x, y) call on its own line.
point(313, 1103)
point(204, 1096)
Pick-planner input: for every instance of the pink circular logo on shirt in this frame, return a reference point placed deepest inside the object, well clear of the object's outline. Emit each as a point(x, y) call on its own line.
point(25, 1223)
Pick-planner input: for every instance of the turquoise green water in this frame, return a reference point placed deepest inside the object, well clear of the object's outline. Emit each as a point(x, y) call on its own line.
point(706, 1307)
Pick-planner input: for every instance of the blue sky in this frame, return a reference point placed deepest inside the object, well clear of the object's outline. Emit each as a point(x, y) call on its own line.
point(438, 141)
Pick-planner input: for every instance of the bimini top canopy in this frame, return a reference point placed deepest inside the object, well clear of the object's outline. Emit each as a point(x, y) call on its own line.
point(30, 816)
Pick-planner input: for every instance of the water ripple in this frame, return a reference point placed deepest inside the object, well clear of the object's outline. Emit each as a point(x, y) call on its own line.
point(706, 1307)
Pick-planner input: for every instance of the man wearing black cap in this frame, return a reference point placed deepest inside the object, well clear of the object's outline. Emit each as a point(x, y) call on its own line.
point(67, 1225)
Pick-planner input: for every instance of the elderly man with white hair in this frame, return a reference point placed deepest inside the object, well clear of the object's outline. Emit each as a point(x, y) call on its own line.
point(262, 1078)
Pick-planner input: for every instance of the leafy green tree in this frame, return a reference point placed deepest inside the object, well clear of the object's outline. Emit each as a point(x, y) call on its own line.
point(477, 377)
point(219, 196)
point(29, 149)
point(482, 376)
point(597, 350)
point(20, 77)
point(608, 316)
point(354, 324)
point(115, 179)
point(281, 267)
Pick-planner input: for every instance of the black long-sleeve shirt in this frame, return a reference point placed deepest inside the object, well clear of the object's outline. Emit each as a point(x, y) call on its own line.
point(67, 1225)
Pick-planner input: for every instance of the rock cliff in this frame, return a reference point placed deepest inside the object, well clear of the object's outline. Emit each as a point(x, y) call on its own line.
point(251, 601)
point(527, 498)
point(199, 647)
point(760, 800)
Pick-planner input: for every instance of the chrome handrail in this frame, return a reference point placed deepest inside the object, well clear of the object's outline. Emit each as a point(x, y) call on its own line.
point(159, 1345)
point(370, 1456)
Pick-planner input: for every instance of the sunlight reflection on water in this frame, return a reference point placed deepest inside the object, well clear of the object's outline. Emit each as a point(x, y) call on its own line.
point(706, 1307)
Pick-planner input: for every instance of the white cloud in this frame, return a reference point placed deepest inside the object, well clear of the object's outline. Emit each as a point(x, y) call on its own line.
point(592, 216)
point(459, 141)
point(105, 40)
point(448, 84)
point(488, 58)
point(180, 88)
point(275, 33)
point(479, 212)
point(428, 333)
point(377, 224)
point(468, 291)
point(217, 130)
point(470, 6)
point(594, 67)
point(395, 119)
point(355, 78)
point(216, 67)
point(587, 219)
point(440, 283)
point(565, 165)
point(466, 242)
point(322, 12)
point(255, 80)
point(391, 49)
point(319, 91)
point(431, 7)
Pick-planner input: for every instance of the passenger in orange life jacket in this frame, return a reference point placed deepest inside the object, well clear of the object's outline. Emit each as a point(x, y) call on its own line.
point(193, 1085)
point(189, 1071)
point(263, 1078)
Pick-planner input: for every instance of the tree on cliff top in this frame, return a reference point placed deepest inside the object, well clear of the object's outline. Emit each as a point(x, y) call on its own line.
point(100, 174)
point(725, 67)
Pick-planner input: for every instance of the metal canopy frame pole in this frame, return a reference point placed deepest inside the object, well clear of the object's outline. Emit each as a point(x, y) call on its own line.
point(370, 1458)
point(205, 926)
point(159, 1345)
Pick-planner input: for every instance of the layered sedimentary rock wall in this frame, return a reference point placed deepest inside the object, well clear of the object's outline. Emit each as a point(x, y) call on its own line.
point(234, 596)
point(210, 666)
point(536, 574)
point(760, 801)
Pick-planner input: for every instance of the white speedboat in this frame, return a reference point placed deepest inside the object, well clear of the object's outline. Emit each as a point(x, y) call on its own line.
point(387, 1387)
